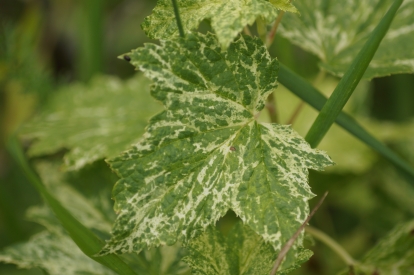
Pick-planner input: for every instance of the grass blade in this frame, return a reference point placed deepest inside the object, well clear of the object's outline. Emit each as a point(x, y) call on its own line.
point(85, 239)
point(300, 87)
point(350, 80)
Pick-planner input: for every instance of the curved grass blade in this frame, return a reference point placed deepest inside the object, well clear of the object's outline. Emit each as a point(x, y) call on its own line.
point(348, 83)
point(87, 241)
point(300, 87)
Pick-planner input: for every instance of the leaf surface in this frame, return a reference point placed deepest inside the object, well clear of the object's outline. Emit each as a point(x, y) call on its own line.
point(336, 32)
point(242, 251)
point(228, 18)
point(54, 251)
point(206, 153)
point(92, 121)
point(57, 254)
point(392, 255)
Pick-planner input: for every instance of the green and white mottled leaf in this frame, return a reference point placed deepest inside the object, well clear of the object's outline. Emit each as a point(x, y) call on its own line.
point(54, 253)
point(242, 251)
point(228, 18)
point(78, 205)
point(206, 153)
point(92, 121)
point(335, 31)
point(163, 260)
point(392, 255)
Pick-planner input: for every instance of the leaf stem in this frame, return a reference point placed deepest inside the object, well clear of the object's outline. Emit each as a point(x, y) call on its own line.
point(332, 244)
point(285, 249)
point(350, 80)
point(272, 33)
point(271, 108)
point(177, 18)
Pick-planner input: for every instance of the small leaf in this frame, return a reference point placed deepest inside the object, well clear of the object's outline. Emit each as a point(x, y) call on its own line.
point(228, 18)
point(336, 32)
point(393, 255)
point(56, 254)
point(92, 121)
point(242, 251)
point(54, 251)
point(206, 154)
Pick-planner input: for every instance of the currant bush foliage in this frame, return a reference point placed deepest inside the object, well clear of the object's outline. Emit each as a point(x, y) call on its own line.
point(393, 254)
point(335, 32)
point(54, 251)
point(242, 252)
point(92, 121)
point(206, 153)
point(228, 18)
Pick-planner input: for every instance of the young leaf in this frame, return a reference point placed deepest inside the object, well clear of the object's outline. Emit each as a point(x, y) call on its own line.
point(393, 255)
point(336, 32)
point(228, 18)
point(242, 251)
point(54, 253)
point(206, 153)
point(93, 121)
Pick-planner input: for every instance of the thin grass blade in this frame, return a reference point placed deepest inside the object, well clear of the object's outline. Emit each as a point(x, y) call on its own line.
point(348, 83)
point(300, 87)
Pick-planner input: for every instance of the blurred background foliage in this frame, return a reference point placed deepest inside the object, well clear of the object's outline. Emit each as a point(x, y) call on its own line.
point(46, 44)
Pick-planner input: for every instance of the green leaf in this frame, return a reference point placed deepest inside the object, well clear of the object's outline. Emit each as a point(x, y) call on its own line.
point(242, 251)
point(300, 87)
point(84, 238)
point(350, 80)
point(54, 253)
point(228, 18)
point(206, 153)
point(82, 208)
point(36, 252)
point(336, 32)
point(392, 255)
point(93, 121)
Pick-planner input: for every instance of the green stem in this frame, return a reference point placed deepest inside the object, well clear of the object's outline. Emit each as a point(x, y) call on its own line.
point(271, 108)
point(84, 238)
point(177, 18)
point(272, 33)
point(348, 83)
point(328, 241)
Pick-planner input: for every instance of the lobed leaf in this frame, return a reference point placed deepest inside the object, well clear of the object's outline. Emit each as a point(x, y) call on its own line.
point(228, 18)
point(206, 154)
point(335, 32)
point(242, 251)
point(92, 121)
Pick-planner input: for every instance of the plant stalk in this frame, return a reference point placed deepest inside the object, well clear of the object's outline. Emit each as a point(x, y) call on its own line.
point(178, 18)
point(328, 241)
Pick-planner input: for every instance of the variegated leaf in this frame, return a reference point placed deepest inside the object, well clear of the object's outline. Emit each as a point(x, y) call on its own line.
point(335, 31)
point(228, 18)
point(93, 121)
point(54, 253)
point(392, 255)
point(241, 252)
point(206, 153)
